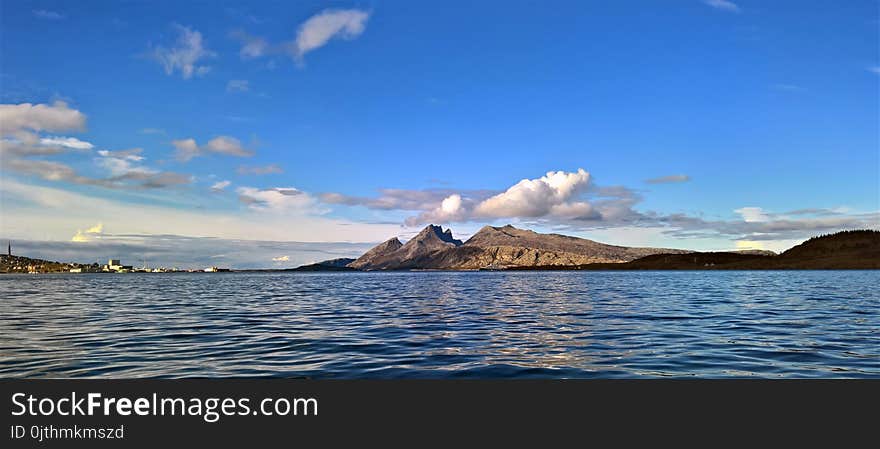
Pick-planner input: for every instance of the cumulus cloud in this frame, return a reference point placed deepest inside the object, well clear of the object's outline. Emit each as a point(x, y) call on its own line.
point(723, 5)
point(220, 186)
point(186, 55)
point(669, 179)
point(570, 202)
point(281, 259)
point(259, 170)
point(550, 194)
point(230, 146)
point(319, 29)
point(20, 141)
point(237, 86)
point(557, 194)
point(40, 117)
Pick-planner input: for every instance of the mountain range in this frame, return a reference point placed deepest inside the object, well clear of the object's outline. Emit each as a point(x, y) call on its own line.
point(510, 248)
point(495, 248)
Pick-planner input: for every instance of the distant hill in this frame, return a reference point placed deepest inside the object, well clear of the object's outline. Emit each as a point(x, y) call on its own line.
point(842, 250)
point(494, 247)
point(20, 264)
point(327, 265)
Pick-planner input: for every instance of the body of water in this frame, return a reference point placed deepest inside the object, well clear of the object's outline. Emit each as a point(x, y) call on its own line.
point(442, 324)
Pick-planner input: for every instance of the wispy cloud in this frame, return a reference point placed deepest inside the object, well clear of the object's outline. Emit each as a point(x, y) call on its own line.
point(27, 205)
point(220, 186)
point(46, 14)
point(723, 5)
point(875, 69)
point(186, 55)
point(131, 178)
point(789, 87)
point(251, 46)
point(66, 142)
point(152, 131)
point(237, 86)
point(278, 199)
point(319, 29)
point(259, 170)
point(668, 179)
point(314, 33)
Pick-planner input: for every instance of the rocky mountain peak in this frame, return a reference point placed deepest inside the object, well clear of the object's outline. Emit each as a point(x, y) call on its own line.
point(433, 231)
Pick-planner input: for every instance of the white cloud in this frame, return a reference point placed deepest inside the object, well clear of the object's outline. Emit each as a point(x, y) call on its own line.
point(277, 199)
point(220, 186)
point(185, 55)
point(20, 125)
point(237, 86)
point(251, 46)
point(875, 69)
point(188, 148)
point(227, 145)
point(549, 194)
point(752, 214)
point(133, 154)
point(124, 164)
point(555, 194)
point(40, 117)
point(66, 142)
point(281, 259)
point(123, 173)
point(449, 210)
point(315, 32)
point(723, 5)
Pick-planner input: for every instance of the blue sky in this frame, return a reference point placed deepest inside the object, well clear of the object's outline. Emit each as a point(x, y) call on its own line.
point(286, 121)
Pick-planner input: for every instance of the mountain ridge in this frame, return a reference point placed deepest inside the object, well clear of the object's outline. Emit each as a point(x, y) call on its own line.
point(495, 247)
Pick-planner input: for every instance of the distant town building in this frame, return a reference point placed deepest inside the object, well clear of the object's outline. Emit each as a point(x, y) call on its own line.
point(116, 265)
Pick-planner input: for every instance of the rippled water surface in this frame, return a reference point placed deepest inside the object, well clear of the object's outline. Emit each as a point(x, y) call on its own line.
point(442, 324)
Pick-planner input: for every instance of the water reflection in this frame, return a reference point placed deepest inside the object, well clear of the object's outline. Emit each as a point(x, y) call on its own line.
point(437, 324)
